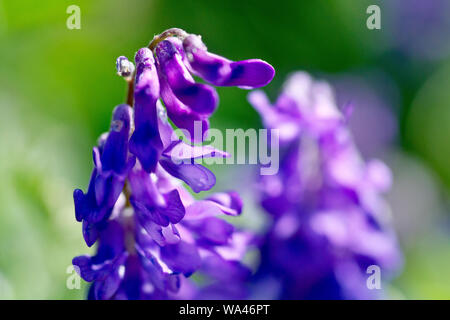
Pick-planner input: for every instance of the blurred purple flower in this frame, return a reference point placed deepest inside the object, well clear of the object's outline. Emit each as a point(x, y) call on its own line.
point(329, 217)
point(373, 103)
point(420, 28)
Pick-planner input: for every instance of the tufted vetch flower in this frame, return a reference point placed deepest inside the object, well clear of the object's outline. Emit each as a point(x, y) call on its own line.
point(152, 234)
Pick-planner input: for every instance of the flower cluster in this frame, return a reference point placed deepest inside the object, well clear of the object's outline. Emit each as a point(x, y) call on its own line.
point(330, 221)
point(151, 233)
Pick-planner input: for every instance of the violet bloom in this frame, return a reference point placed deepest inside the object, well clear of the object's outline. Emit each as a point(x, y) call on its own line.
point(152, 235)
point(178, 55)
point(112, 164)
point(145, 142)
point(205, 244)
point(141, 257)
point(330, 221)
point(156, 235)
point(187, 102)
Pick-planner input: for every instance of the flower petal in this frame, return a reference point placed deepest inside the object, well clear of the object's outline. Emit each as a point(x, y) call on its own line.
point(153, 269)
point(199, 97)
point(183, 116)
point(115, 150)
point(80, 201)
point(151, 204)
point(275, 118)
point(198, 177)
point(107, 287)
point(182, 257)
point(220, 71)
point(146, 145)
point(212, 230)
point(228, 203)
point(83, 266)
point(224, 270)
point(90, 232)
point(145, 142)
point(107, 191)
point(161, 235)
point(231, 202)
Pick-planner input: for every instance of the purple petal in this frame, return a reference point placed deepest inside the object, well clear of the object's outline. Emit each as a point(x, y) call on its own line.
point(182, 257)
point(166, 131)
point(161, 235)
point(224, 270)
point(212, 229)
point(379, 175)
point(231, 202)
point(144, 189)
point(107, 190)
point(108, 286)
point(110, 248)
point(150, 203)
point(115, 151)
point(220, 71)
point(173, 212)
point(199, 97)
point(153, 269)
point(80, 201)
point(90, 233)
point(86, 204)
point(182, 116)
point(203, 209)
point(111, 240)
point(274, 118)
point(181, 151)
point(198, 177)
point(173, 282)
point(146, 212)
point(228, 203)
point(146, 143)
point(108, 177)
point(84, 267)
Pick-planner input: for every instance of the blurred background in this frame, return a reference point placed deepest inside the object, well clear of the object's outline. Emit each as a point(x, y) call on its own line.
point(58, 88)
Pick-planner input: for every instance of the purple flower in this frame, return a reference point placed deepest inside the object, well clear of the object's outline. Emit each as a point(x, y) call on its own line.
point(122, 268)
point(217, 246)
point(152, 235)
point(219, 71)
point(140, 258)
point(201, 98)
point(187, 101)
point(145, 142)
point(112, 164)
point(330, 221)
